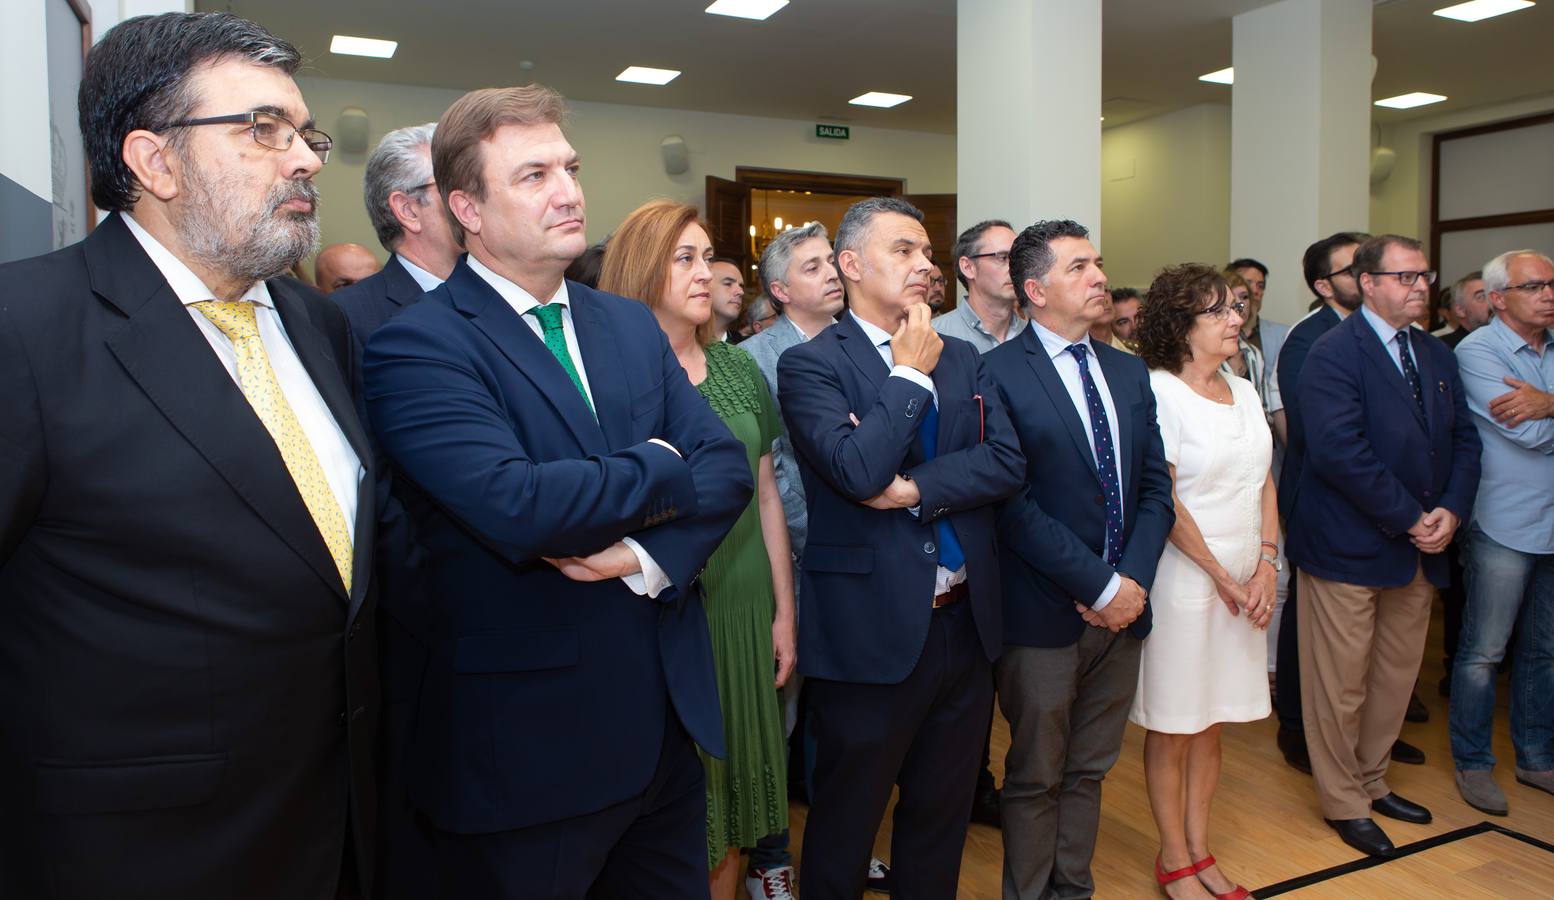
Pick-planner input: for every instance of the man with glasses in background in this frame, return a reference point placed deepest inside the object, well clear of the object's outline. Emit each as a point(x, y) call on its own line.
point(981, 260)
point(1392, 466)
point(187, 621)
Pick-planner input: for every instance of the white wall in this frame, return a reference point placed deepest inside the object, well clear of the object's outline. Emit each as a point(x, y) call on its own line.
point(24, 154)
point(1165, 193)
point(619, 146)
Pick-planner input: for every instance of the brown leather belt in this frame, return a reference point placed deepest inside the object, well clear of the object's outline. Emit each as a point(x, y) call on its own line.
point(955, 594)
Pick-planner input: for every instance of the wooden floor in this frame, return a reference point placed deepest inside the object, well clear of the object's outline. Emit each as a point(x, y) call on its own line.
point(1267, 826)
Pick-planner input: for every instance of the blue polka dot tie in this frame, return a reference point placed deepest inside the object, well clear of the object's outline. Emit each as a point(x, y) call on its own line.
point(1105, 455)
point(1410, 371)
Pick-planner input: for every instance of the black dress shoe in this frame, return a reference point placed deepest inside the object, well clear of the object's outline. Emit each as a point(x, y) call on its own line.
point(1417, 711)
point(1292, 744)
point(1444, 685)
point(1364, 835)
point(984, 807)
point(1407, 753)
point(1394, 807)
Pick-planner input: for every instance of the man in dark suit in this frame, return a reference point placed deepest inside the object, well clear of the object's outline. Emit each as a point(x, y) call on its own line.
point(406, 211)
point(903, 447)
point(574, 485)
point(187, 653)
point(1393, 465)
point(1326, 269)
point(1078, 548)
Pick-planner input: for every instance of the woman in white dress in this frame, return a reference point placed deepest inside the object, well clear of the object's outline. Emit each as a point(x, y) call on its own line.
point(1205, 662)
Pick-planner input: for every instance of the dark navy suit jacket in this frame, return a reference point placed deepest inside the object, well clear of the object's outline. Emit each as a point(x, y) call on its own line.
point(1052, 532)
point(1374, 464)
point(546, 698)
point(369, 303)
point(1292, 359)
point(868, 574)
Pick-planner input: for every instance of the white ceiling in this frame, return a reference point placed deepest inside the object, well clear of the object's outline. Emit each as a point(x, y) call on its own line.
point(810, 58)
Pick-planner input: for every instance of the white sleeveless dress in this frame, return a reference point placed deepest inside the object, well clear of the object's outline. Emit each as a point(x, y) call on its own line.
point(1202, 665)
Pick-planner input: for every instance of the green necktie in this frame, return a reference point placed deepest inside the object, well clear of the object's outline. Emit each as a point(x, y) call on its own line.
point(549, 315)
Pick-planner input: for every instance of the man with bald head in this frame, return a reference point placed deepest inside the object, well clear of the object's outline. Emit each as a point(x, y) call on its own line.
point(341, 265)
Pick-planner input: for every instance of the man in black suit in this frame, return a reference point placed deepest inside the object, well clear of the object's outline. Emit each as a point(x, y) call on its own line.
point(903, 448)
point(187, 650)
point(405, 207)
point(1078, 549)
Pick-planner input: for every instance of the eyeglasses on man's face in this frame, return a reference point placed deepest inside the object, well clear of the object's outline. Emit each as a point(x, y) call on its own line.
point(1532, 287)
point(1001, 257)
point(1222, 310)
point(1407, 279)
point(270, 131)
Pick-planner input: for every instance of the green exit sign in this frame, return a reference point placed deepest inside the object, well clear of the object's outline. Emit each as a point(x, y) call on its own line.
point(835, 132)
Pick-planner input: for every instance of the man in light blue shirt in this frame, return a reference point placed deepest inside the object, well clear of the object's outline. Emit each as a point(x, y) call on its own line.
point(988, 317)
point(1508, 372)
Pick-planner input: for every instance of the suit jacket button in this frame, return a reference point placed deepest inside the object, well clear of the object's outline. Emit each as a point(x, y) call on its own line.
point(929, 547)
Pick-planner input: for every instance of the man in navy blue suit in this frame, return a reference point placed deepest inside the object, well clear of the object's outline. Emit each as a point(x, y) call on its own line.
point(1078, 548)
point(575, 484)
point(1392, 465)
point(903, 448)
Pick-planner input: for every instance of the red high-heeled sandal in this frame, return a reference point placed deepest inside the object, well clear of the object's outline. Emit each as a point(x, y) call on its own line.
point(1164, 878)
point(1236, 893)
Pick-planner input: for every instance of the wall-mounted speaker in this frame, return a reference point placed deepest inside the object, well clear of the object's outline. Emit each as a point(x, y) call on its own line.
point(1382, 161)
point(351, 131)
point(677, 159)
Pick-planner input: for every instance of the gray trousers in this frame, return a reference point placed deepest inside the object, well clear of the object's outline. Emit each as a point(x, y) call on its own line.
point(1067, 707)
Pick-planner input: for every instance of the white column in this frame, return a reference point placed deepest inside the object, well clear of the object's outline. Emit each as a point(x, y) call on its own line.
point(1028, 112)
point(1300, 136)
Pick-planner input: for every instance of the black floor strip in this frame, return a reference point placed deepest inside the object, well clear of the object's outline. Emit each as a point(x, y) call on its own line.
point(1370, 862)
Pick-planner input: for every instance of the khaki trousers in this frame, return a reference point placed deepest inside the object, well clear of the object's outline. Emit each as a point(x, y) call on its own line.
point(1360, 649)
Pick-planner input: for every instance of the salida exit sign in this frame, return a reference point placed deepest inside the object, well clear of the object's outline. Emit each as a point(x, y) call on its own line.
point(834, 132)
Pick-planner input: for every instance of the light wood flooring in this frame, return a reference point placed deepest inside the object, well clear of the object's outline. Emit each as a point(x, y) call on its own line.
point(1267, 826)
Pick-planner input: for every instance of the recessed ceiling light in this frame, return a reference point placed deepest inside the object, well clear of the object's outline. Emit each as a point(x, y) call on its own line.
point(360, 46)
point(747, 9)
point(647, 75)
point(1223, 76)
point(1476, 10)
point(1409, 101)
point(880, 99)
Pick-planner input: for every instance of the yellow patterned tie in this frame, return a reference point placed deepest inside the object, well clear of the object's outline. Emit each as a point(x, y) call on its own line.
point(236, 321)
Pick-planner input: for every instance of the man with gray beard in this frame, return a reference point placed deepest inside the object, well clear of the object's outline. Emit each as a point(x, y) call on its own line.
point(187, 650)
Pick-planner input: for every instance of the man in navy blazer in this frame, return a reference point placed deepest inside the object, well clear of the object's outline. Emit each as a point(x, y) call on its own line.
point(903, 448)
point(1079, 543)
point(577, 483)
point(1393, 464)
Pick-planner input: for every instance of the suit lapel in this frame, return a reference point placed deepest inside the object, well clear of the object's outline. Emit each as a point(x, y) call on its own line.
point(601, 358)
point(1426, 367)
point(322, 367)
point(861, 351)
point(164, 352)
point(1371, 348)
point(1057, 395)
point(401, 288)
point(1111, 367)
point(499, 322)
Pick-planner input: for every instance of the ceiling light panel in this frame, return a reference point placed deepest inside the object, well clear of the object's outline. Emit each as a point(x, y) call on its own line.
point(647, 75)
point(758, 10)
point(1409, 101)
point(346, 45)
point(1223, 76)
point(1478, 10)
point(880, 99)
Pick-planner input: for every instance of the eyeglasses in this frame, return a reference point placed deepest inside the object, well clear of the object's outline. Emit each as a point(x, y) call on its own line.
point(1001, 257)
point(270, 131)
point(1221, 311)
point(1346, 270)
point(1407, 279)
point(1532, 287)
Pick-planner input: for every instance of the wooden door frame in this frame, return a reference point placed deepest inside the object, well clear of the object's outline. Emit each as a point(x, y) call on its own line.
point(818, 182)
point(1475, 223)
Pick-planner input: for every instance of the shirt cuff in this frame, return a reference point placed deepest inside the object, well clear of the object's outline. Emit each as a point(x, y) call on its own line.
point(912, 375)
point(668, 446)
point(651, 581)
point(1112, 587)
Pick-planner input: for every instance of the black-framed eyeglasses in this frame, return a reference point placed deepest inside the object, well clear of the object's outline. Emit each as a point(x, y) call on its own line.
point(1407, 279)
point(270, 131)
point(1002, 256)
point(1531, 287)
point(1346, 270)
point(1221, 311)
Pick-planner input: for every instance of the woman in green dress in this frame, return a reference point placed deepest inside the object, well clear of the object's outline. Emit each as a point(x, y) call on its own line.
point(661, 255)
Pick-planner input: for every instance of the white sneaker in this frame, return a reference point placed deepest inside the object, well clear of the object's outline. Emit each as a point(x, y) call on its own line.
point(879, 876)
point(775, 883)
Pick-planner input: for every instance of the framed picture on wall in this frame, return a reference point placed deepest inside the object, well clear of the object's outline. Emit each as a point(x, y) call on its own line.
point(68, 27)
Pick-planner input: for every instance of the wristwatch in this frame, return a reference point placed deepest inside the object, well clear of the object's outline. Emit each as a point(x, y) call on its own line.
point(1273, 561)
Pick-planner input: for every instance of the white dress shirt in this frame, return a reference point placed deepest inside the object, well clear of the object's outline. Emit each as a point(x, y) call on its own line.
point(342, 468)
point(1068, 372)
point(943, 579)
point(426, 280)
point(652, 580)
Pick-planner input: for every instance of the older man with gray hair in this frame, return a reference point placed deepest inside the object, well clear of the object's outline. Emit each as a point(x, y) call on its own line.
point(1507, 369)
point(406, 212)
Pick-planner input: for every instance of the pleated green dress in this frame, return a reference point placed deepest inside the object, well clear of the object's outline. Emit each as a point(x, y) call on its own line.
point(747, 794)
